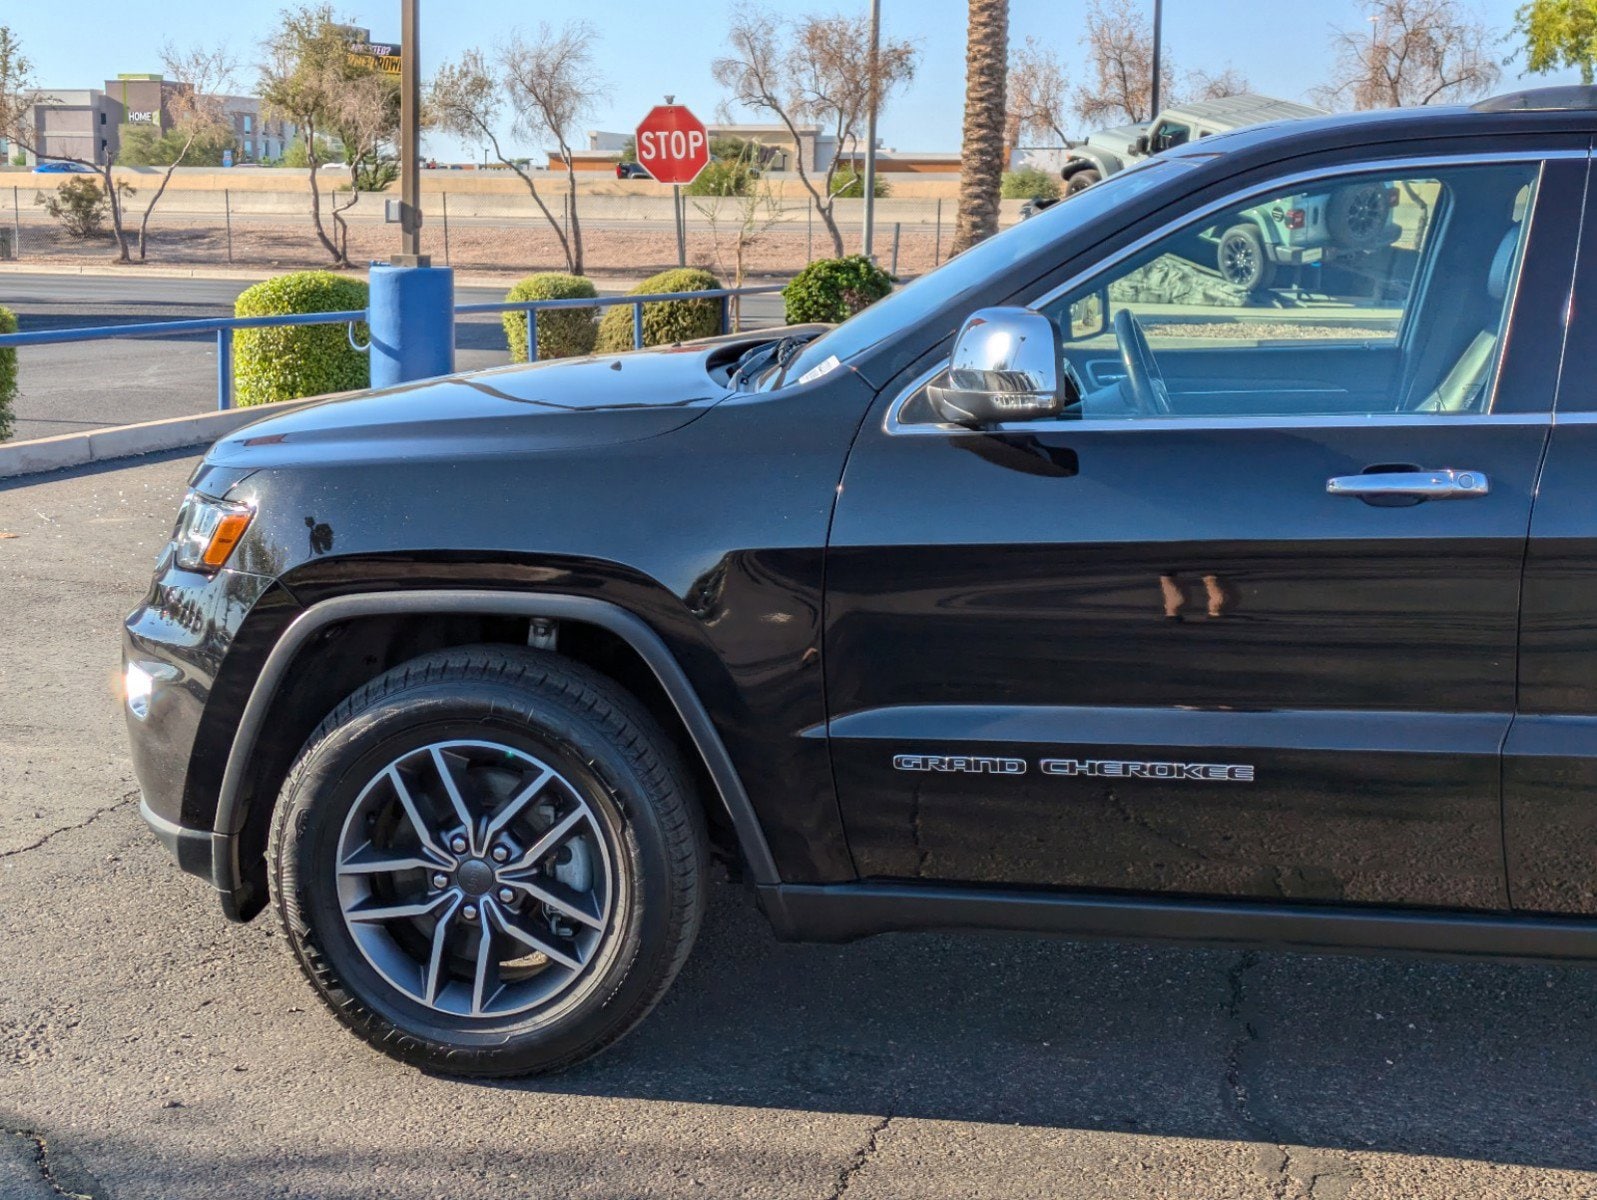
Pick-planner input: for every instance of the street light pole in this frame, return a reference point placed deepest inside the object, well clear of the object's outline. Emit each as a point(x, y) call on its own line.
point(873, 103)
point(409, 138)
point(1158, 22)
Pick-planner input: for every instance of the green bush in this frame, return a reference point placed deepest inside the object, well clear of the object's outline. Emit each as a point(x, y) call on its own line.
point(668, 321)
point(834, 289)
point(289, 361)
point(725, 177)
point(81, 205)
point(850, 184)
point(8, 374)
point(562, 332)
point(1029, 183)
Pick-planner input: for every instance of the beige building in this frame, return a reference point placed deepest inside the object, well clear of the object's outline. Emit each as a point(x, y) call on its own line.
point(86, 123)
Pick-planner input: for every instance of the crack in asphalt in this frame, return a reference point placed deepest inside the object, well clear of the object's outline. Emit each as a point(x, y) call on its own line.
point(63, 1182)
point(1137, 821)
point(863, 1155)
point(83, 824)
point(1338, 1173)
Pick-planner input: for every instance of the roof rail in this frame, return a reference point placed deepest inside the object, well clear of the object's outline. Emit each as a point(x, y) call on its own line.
point(1547, 99)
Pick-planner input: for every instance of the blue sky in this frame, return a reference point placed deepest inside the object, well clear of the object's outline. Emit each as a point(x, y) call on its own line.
point(647, 49)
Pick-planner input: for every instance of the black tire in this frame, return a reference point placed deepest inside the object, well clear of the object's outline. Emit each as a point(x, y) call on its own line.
point(1243, 261)
point(616, 765)
point(1082, 180)
point(1357, 216)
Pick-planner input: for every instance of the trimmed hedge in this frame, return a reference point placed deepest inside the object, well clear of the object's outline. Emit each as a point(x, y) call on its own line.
point(834, 289)
point(8, 374)
point(669, 321)
point(290, 361)
point(562, 332)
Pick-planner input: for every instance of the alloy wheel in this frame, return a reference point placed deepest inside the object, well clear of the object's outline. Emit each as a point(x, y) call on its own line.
point(476, 879)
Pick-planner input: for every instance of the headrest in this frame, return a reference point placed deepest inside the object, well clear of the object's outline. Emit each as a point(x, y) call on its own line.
point(1502, 264)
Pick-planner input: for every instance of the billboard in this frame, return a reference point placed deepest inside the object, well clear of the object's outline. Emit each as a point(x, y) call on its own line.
point(374, 56)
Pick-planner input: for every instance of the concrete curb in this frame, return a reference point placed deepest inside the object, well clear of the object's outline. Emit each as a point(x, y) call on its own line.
point(128, 441)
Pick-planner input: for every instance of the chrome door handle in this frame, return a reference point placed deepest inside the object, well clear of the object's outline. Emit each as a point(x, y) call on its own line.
point(1446, 484)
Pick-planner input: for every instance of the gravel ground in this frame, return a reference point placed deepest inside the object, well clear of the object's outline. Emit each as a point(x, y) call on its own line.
point(509, 248)
point(151, 1051)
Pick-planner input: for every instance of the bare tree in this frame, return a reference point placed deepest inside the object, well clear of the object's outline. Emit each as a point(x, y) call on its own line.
point(1201, 85)
point(1119, 41)
point(982, 162)
point(18, 99)
point(742, 215)
point(815, 72)
point(466, 98)
point(303, 82)
point(1417, 52)
point(364, 116)
point(1038, 95)
point(552, 84)
point(201, 76)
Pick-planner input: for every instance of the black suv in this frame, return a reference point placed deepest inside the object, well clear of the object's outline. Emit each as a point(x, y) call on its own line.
point(1068, 589)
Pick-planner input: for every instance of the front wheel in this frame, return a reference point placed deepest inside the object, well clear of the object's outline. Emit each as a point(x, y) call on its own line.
point(488, 863)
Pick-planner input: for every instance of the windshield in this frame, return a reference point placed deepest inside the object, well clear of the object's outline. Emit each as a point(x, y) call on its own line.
point(912, 303)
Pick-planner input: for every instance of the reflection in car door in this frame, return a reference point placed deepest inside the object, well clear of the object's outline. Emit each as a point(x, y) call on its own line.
point(1158, 655)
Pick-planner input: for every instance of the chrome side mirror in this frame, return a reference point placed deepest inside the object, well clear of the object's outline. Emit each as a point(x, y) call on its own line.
point(1006, 366)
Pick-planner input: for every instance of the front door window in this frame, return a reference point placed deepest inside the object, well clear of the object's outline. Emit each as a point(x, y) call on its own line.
point(1374, 293)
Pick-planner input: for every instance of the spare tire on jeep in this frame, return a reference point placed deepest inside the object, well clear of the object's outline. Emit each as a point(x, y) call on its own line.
point(1356, 216)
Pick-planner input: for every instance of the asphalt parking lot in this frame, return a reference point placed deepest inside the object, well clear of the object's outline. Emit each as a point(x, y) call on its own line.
point(150, 1049)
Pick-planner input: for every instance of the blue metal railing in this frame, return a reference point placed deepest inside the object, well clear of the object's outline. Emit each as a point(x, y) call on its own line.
point(224, 327)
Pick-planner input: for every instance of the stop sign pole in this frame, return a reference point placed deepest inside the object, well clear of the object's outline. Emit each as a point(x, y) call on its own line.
point(673, 146)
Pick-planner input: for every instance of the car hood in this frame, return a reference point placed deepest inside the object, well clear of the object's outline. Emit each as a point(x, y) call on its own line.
point(541, 406)
point(1117, 140)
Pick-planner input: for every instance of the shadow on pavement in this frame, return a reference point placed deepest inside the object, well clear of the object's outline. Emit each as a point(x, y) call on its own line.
point(1488, 1062)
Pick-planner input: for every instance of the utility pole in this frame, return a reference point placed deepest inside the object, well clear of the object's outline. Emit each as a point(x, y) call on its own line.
point(873, 104)
point(411, 310)
point(1158, 22)
point(410, 139)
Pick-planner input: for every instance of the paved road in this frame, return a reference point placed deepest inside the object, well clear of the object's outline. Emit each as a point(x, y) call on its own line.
point(148, 1049)
point(87, 385)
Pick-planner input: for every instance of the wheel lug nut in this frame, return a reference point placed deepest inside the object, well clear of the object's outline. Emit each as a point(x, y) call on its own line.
point(500, 854)
point(506, 895)
point(440, 881)
point(469, 912)
point(457, 844)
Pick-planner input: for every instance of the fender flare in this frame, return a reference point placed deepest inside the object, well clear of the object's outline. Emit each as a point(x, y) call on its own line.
point(1092, 162)
point(242, 897)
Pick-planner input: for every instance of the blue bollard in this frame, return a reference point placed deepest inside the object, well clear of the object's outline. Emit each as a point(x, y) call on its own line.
point(412, 320)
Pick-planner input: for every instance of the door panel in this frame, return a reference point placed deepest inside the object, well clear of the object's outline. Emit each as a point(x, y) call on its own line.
point(1323, 379)
point(1141, 610)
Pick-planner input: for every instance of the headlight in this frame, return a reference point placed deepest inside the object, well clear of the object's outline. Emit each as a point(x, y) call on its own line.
point(207, 531)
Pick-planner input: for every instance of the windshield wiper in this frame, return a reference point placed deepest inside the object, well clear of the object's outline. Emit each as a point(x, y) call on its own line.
point(751, 359)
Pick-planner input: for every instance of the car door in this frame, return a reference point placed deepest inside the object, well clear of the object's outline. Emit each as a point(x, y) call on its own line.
point(1550, 757)
point(1159, 651)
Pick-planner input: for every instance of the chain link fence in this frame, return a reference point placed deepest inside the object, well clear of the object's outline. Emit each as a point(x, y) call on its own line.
point(496, 232)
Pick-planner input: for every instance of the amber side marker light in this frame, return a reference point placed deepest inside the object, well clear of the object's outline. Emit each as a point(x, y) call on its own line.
point(208, 530)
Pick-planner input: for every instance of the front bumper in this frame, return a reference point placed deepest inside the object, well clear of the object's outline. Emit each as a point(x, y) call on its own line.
point(186, 699)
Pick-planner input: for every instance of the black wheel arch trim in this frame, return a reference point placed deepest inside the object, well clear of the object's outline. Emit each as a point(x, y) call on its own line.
point(243, 891)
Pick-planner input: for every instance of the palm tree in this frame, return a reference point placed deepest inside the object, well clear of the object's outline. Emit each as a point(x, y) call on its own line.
point(981, 173)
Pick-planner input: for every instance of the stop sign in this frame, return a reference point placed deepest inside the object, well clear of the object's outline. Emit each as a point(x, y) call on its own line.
point(673, 144)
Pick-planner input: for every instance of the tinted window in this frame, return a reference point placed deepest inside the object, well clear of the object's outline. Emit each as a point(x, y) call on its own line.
point(1368, 294)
